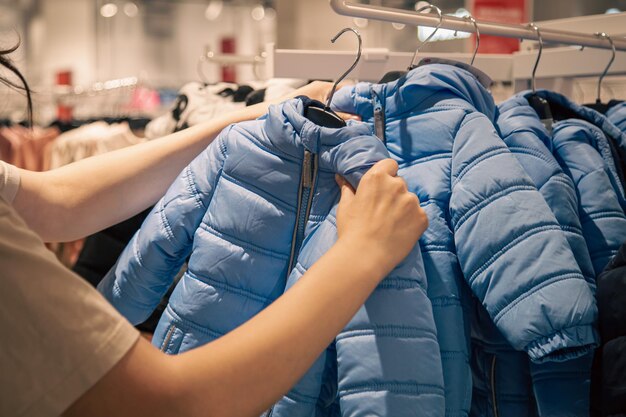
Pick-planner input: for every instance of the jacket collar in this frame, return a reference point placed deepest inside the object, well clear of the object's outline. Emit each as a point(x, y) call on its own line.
point(288, 129)
point(582, 112)
point(418, 88)
point(348, 151)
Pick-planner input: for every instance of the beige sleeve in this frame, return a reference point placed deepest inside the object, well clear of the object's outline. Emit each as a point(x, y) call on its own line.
point(9, 182)
point(59, 336)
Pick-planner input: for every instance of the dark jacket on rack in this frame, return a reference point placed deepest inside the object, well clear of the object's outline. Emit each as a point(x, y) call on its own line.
point(490, 228)
point(609, 373)
point(243, 209)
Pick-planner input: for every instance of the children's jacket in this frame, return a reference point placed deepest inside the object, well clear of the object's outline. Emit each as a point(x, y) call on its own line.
point(242, 212)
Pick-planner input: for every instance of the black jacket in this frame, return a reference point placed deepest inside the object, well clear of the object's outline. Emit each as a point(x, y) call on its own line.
point(609, 373)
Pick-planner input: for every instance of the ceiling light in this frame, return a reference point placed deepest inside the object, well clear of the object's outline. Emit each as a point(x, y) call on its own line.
point(108, 10)
point(360, 22)
point(131, 9)
point(258, 12)
point(398, 26)
point(270, 13)
point(421, 4)
point(214, 9)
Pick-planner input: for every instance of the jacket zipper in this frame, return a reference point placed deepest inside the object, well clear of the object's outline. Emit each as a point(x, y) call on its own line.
point(168, 337)
point(493, 387)
point(379, 117)
point(308, 179)
point(305, 199)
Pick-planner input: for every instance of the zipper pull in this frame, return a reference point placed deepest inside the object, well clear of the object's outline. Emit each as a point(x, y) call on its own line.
point(307, 169)
point(379, 118)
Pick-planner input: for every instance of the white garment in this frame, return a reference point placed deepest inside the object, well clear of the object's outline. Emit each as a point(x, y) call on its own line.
point(280, 87)
point(201, 103)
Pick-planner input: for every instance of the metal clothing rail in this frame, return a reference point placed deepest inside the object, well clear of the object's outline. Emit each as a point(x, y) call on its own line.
point(233, 59)
point(348, 8)
point(374, 62)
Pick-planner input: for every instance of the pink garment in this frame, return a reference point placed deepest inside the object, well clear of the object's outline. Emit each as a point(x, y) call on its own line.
point(24, 147)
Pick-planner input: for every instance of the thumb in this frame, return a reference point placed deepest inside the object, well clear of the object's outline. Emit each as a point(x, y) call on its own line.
point(347, 192)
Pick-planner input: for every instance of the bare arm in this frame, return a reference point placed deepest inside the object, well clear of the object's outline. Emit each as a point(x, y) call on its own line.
point(82, 198)
point(244, 372)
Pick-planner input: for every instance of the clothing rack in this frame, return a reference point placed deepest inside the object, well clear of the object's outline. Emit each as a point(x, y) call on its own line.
point(374, 62)
point(99, 88)
point(233, 59)
point(558, 68)
point(388, 14)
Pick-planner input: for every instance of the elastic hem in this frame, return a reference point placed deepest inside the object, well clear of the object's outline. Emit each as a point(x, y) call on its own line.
point(564, 345)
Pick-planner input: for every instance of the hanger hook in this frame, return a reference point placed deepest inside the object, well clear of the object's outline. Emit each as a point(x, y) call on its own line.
point(354, 64)
point(430, 7)
point(199, 68)
point(606, 70)
point(536, 29)
point(471, 19)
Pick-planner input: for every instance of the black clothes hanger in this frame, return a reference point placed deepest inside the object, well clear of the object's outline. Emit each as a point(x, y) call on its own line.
point(540, 104)
point(396, 75)
point(324, 116)
point(599, 106)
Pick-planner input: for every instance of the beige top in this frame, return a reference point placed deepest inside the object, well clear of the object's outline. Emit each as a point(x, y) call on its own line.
point(9, 181)
point(59, 335)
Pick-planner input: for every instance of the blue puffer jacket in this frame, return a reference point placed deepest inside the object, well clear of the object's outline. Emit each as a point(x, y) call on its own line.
point(580, 145)
point(617, 115)
point(489, 226)
point(546, 389)
point(243, 209)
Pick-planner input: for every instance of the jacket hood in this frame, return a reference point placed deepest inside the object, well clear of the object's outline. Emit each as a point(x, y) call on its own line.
point(348, 151)
point(415, 89)
point(515, 114)
point(573, 110)
point(563, 108)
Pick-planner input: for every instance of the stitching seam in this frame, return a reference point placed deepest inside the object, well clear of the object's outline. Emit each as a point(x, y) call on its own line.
point(527, 234)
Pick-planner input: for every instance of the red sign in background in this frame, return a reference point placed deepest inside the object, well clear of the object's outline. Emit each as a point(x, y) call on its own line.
point(228, 45)
point(503, 11)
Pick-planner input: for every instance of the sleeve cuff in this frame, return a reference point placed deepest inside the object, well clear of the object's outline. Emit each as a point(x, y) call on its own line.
point(566, 344)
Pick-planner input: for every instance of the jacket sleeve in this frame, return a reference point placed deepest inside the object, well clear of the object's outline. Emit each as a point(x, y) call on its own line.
point(512, 251)
point(150, 261)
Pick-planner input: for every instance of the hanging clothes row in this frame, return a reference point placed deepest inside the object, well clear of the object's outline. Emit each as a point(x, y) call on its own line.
point(197, 102)
point(479, 320)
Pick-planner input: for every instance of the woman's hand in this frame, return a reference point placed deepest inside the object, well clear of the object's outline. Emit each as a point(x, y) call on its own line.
point(381, 218)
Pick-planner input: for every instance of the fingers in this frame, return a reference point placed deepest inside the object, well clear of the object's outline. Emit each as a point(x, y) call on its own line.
point(347, 192)
point(386, 166)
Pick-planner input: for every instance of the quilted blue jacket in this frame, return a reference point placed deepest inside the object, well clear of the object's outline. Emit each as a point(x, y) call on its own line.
point(547, 389)
point(617, 116)
point(259, 196)
point(580, 145)
point(490, 228)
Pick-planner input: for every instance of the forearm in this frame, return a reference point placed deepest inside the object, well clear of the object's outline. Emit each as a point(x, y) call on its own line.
point(266, 356)
point(81, 198)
